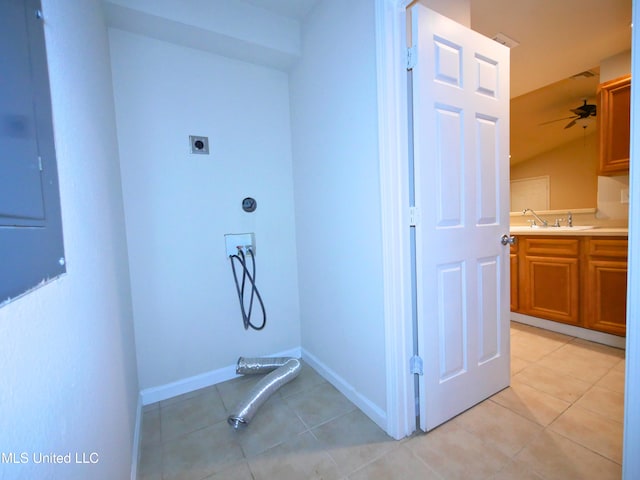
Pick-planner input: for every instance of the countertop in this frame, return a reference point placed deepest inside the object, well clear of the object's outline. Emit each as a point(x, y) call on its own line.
point(578, 230)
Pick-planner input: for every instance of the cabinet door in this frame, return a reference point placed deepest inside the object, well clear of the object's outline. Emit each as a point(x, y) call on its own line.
point(551, 288)
point(607, 305)
point(614, 126)
point(514, 282)
point(606, 284)
point(513, 260)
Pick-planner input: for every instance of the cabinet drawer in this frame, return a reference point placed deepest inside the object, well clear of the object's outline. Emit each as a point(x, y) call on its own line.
point(551, 246)
point(609, 247)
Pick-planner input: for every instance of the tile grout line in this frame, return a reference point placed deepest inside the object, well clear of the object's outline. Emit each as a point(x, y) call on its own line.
point(585, 447)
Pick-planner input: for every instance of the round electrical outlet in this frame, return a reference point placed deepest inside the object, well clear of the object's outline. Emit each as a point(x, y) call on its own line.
point(249, 204)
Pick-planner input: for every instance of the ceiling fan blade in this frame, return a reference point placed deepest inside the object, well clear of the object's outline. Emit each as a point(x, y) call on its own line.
point(559, 120)
point(570, 124)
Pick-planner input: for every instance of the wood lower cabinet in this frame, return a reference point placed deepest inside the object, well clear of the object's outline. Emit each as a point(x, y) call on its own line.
point(606, 280)
point(550, 279)
point(580, 281)
point(513, 258)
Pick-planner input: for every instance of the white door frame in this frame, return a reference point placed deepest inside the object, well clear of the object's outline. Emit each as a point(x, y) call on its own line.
point(630, 459)
point(393, 134)
point(394, 194)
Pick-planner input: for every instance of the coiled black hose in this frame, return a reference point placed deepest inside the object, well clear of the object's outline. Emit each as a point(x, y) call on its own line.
point(240, 288)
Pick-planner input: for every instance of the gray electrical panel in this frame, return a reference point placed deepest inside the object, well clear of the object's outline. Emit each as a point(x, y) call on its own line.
point(31, 245)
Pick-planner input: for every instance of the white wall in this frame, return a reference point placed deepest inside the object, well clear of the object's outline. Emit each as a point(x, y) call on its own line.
point(232, 28)
point(615, 66)
point(178, 206)
point(610, 192)
point(337, 199)
point(458, 10)
point(68, 380)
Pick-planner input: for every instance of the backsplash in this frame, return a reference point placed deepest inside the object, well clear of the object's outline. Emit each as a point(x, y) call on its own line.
point(611, 212)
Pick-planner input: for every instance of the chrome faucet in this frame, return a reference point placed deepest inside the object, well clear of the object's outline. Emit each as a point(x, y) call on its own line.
point(544, 222)
point(570, 219)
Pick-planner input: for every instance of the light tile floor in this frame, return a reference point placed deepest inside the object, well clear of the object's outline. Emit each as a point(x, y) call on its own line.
point(560, 419)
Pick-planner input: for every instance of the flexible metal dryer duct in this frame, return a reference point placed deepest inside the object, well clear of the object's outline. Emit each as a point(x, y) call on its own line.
point(282, 370)
point(248, 365)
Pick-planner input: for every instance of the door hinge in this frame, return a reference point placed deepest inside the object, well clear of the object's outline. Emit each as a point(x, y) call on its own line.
point(412, 57)
point(415, 365)
point(414, 216)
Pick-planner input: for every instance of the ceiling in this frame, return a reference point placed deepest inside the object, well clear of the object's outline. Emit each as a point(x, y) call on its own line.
point(296, 9)
point(539, 118)
point(557, 40)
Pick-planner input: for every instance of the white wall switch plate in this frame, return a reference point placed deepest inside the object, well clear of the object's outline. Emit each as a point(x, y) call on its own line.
point(624, 195)
point(243, 240)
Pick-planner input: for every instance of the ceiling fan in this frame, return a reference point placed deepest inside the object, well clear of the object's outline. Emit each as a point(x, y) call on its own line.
point(585, 110)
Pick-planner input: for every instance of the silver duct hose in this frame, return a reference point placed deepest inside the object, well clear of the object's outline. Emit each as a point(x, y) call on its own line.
point(259, 365)
point(282, 370)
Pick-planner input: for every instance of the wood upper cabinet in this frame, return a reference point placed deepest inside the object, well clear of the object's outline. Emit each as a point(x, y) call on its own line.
point(614, 111)
point(606, 280)
point(550, 278)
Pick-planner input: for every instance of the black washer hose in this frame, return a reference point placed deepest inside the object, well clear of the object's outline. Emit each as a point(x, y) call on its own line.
point(246, 316)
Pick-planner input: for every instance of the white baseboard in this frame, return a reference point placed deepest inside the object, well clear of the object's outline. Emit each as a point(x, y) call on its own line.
point(135, 454)
point(369, 408)
point(163, 392)
point(579, 332)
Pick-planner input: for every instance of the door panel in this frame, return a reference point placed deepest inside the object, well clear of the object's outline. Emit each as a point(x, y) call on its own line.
point(489, 309)
point(486, 188)
point(461, 144)
point(449, 166)
point(451, 321)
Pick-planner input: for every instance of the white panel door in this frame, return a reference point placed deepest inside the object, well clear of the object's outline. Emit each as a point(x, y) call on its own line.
point(461, 171)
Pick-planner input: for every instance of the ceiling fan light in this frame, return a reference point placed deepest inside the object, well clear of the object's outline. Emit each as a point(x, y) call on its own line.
point(584, 122)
